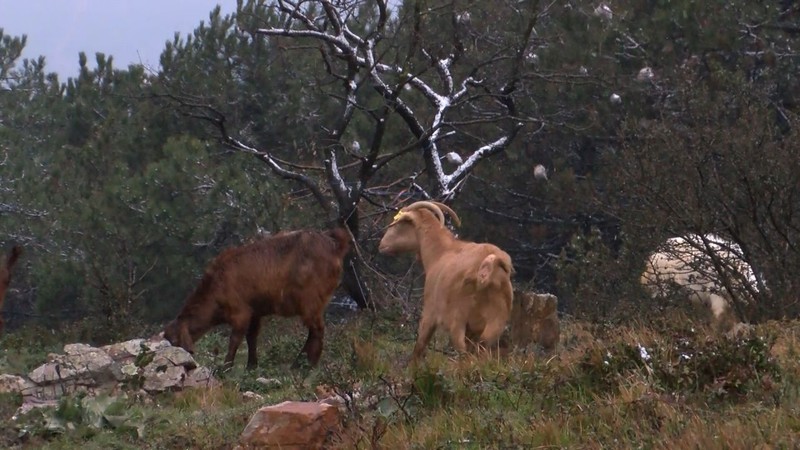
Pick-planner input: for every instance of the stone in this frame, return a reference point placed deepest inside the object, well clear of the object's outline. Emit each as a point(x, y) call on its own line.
point(173, 356)
point(534, 320)
point(201, 377)
point(80, 361)
point(54, 372)
point(110, 369)
point(78, 349)
point(271, 383)
point(163, 380)
point(250, 395)
point(291, 426)
point(13, 383)
point(54, 391)
point(30, 406)
point(132, 348)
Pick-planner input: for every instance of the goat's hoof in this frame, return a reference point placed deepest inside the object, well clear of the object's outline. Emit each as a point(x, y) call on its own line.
point(299, 363)
point(412, 362)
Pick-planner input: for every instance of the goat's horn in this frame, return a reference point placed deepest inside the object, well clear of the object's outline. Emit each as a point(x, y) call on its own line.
point(449, 211)
point(432, 206)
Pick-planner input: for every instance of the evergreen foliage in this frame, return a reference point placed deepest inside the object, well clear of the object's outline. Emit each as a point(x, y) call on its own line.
point(658, 119)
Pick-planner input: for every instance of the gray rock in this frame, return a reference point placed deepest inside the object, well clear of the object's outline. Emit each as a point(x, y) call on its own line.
point(14, 383)
point(110, 369)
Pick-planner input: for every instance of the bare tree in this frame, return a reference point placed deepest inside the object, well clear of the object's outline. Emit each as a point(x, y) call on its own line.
point(451, 80)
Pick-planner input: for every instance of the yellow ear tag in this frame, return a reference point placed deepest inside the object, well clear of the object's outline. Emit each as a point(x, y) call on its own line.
point(398, 216)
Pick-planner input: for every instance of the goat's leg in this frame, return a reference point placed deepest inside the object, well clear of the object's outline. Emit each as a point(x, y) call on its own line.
point(239, 326)
point(313, 345)
point(490, 336)
point(252, 339)
point(458, 337)
point(472, 339)
point(426, 329)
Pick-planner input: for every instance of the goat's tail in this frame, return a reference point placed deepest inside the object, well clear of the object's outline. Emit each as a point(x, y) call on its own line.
point(488, 266)
point(13, 256)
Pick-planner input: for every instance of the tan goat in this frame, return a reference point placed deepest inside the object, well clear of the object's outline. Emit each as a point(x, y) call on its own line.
point(467, 285)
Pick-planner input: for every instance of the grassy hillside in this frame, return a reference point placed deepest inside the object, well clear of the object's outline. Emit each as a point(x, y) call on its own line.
point(667, 385)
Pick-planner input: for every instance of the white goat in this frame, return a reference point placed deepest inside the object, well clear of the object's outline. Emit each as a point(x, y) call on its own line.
point(709, 268)
point(467, 285)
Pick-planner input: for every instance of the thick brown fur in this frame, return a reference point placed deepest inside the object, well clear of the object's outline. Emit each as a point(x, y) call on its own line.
point(5, 276)
point(468, 288)
point(287, 274)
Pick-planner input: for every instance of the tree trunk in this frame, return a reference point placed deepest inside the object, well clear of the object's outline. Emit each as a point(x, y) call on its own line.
point(354, 284)
point(352, 281)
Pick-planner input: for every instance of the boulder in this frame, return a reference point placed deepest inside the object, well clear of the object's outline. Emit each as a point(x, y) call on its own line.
point(200, 377)
point(133, 347)
point(153, 365)
point(80, 364)
point(13, 383)
point(291, 426)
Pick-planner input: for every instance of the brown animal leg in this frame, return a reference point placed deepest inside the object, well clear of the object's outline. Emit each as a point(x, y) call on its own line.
point(313, 346)
point(239, 326)
point(252, 339)
point(424, 334)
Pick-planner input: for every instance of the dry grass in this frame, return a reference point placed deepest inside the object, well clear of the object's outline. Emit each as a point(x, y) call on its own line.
point(564, 401)
point(693, 389)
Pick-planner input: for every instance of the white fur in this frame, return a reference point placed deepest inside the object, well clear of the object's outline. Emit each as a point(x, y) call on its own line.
point(687, 262)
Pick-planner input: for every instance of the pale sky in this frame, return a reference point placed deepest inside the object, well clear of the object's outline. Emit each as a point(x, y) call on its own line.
point(132, 31)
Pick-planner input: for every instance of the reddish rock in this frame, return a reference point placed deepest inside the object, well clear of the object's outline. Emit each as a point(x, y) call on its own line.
point(291, 426)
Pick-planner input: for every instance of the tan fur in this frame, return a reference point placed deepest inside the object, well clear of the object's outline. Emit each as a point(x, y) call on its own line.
point(467, 285)
point(5, 276)
point(286, 274)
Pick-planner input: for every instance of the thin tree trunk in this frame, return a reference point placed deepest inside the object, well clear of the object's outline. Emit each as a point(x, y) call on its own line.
point(353, 281)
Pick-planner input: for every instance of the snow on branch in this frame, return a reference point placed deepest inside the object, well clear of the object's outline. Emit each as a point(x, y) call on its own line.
point(360, 54)
point(276, 167)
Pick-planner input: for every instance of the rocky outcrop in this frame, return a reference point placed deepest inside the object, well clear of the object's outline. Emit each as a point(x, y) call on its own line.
point(152, 365)
point(291, 426)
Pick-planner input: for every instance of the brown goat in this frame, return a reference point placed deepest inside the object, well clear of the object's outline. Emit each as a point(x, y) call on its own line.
point(5, 276)
point(287, 274)
point(467, 285)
